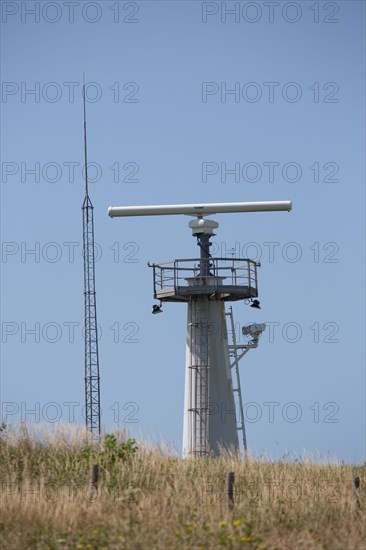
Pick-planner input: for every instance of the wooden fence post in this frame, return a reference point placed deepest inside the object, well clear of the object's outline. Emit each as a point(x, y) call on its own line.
point(94, 478)
point(356, 490)
point(230, 490)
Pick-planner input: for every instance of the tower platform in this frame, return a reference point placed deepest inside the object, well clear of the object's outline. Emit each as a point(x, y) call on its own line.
point(227, 279)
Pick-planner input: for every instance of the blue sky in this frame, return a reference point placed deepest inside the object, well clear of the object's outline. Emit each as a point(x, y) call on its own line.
point(160, 110)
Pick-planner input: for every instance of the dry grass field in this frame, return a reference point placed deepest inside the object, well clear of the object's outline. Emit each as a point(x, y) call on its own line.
point(148, 498)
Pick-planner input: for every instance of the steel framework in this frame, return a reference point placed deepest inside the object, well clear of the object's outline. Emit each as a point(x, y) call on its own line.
point(236, 353)
point(92, 379)
point(233, 352)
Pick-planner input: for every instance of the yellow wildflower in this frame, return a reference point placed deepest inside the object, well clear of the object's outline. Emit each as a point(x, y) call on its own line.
point(237, 522)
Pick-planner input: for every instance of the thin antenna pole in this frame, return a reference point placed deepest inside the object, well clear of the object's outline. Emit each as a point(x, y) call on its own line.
point(85, 144)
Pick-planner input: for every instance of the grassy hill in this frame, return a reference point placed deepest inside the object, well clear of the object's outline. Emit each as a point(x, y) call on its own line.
point(148, 498)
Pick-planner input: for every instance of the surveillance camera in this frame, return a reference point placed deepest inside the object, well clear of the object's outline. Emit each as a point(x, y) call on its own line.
point(254, 330)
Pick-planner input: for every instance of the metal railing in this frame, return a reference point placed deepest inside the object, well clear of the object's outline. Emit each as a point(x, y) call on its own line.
point(230, 272)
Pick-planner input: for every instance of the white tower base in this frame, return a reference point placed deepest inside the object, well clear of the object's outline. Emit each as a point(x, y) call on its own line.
point(209, 409)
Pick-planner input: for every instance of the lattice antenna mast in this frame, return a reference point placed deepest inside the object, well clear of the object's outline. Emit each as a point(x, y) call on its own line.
point(92, 379)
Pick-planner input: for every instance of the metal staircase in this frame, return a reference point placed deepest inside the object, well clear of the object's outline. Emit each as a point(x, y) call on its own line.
point(199, 378)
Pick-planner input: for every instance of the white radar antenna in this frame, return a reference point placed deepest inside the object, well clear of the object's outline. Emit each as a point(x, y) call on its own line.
point(210, 422)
